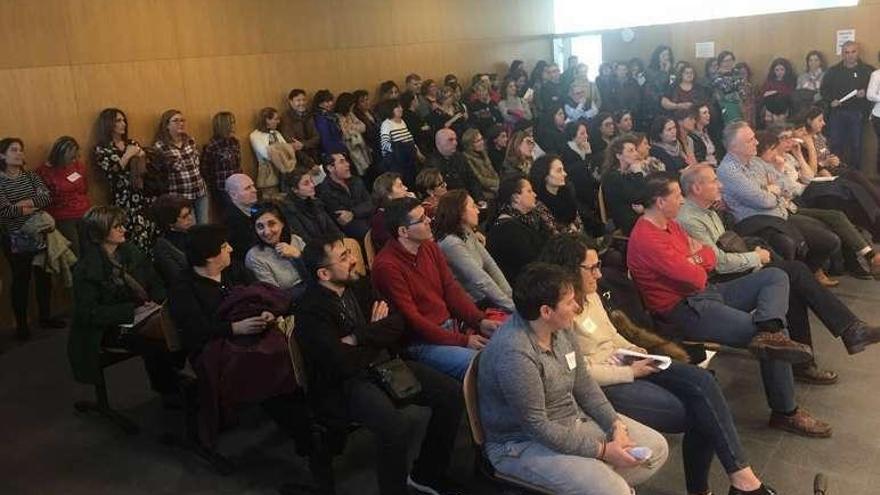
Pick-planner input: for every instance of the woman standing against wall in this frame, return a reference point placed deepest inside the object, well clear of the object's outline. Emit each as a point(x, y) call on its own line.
point(179, 156)
point(123, 162)
point(22, 195)
point(221, 158)
point(65, 176)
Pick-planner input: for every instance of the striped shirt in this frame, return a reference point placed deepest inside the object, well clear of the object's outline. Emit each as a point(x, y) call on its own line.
point(27, 185)
point(393, 132)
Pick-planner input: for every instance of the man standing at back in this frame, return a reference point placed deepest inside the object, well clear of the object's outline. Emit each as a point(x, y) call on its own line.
point(846, 119)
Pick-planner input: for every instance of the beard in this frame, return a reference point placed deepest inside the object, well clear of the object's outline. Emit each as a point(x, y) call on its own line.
point(348, 281)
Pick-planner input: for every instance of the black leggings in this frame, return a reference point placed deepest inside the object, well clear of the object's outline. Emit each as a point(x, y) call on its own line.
point(20, 289)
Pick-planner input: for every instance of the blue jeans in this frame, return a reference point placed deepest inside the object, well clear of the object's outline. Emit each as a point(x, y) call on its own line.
point(200, 209)
point(845, 135)
point(566, 474)
point(450, 360)
point(727, 313)
point(685, 399)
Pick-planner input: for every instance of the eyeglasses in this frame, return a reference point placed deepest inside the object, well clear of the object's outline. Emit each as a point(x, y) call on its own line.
point(422, 219)
point(343, 258)
point(595, 269)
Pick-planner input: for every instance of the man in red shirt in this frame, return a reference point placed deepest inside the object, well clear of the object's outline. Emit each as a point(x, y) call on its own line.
point(671, 270)
point(411, 273)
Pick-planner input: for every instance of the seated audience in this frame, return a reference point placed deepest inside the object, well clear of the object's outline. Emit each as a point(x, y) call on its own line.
point(671, 270)
point(178, 154)
point(353, 130)
point(702, 191)
point(174, 216)
point(704, 145)
point(64, 175)
point(686, 93)
point(512, 106)
point(686, 124)
point(649, 164)
point(22, 196)
point(411, 272)
point(454, 165)
point(665, 145)
point(327, 122)
point(474, 150)
point(421, 130)
point(482, 111)
point(546, 420)
point(455, 229)
point(235, 350)
point(680, 399)
point(298, 128)
point(496, 147)
point(242, 197)
point(431, 185)
point(577, 158)
point(548, 181)
point(387, 187)
point(623, 121)
point(579, 105)
point(623, 183)
point(345, 197)
point(518, 233)
point(783, 159)
point(343, 332)
point(602, 131)
point(550, 133)
point(758, 206)
point(221, 157)
point(112, 282)
point(275, 259)
point(305, 211)
point(520, 155)
point(399, 150)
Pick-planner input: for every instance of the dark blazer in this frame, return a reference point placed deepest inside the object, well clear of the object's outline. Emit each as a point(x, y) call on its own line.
point(514, 244)
point(101, 305)
point(457, 173)
point(241, 232)
point(355, 198)
point(169, 259)
point(308, 219)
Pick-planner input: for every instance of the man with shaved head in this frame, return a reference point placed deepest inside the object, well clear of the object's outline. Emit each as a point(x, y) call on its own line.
point(453, 165)
point(242, 195)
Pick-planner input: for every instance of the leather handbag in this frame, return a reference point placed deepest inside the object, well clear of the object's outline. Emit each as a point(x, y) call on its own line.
point(731, 242)
point(395, 378)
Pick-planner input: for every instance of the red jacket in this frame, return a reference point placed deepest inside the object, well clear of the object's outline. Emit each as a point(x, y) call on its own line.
point(69, 190)
point(660, 263)
point(423, 289)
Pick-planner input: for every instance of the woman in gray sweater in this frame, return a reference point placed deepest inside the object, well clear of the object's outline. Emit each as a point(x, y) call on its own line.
point(275, 259)
point(546, 420)
point(455, 223)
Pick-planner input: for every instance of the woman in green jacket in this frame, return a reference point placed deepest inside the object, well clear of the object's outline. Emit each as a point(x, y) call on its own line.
point(111, 281)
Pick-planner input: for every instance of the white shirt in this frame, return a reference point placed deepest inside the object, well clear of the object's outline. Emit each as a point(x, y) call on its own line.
point(873, 93)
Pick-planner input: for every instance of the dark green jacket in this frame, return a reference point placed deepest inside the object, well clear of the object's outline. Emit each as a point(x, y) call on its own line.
point(100, 305)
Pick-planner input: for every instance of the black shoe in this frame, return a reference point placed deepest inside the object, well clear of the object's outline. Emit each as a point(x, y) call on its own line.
point(434, 486)
point(52, 323)
point(858, 336)
point(812, 374)
point(762, 490)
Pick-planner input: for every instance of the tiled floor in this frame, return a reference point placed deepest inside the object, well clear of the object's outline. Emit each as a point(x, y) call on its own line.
point(48, 449)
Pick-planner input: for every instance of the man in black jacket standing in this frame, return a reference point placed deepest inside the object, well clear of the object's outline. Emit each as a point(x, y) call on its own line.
point(847, 118)
point(345, 197)
point(342, 331)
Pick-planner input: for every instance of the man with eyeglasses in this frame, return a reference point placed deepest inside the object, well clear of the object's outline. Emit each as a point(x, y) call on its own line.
point(342, 331)
point(444, 326)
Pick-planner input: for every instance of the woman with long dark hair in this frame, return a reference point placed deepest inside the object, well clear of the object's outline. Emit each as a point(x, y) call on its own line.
point(555, 196)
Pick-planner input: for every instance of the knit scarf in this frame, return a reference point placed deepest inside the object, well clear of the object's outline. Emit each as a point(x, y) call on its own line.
point(531, 219)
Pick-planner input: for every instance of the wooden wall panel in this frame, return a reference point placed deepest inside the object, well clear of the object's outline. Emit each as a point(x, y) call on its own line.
point(102, 31)
point(62, 61)
point(33, 33)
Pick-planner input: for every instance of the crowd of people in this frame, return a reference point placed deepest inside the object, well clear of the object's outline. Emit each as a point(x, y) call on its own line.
point(702, 208)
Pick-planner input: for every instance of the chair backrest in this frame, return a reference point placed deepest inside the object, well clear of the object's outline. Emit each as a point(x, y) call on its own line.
point(297, 361)
point(354, 246)
point(603, 213)
point(369, 249)
point(471, 401)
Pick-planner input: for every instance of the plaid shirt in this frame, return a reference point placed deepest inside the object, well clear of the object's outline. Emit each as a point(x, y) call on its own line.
point(221, 158)
point(184, 177)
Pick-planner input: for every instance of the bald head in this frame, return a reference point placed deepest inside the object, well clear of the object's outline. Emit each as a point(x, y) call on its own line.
point(446, 142)
point(241, 190)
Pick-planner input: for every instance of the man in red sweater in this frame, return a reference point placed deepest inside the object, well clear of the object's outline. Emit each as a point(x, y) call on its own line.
point(411, 272)
point(671, 270)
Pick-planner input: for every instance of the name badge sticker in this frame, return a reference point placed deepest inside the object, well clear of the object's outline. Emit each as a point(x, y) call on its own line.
point(589, 326)
point(74, 177)
point(572, 360)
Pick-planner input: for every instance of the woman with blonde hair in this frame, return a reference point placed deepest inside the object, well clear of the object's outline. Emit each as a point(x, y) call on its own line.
point(520, 155)
point(474, 146)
